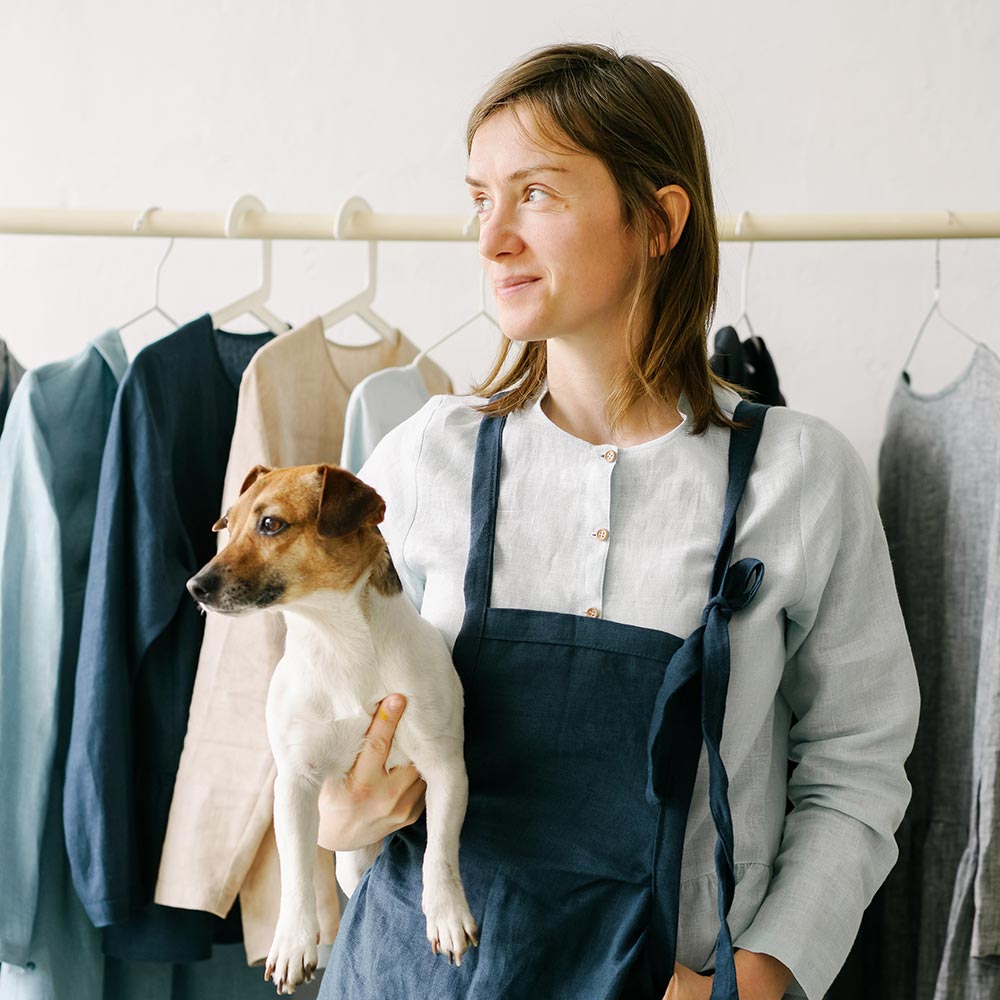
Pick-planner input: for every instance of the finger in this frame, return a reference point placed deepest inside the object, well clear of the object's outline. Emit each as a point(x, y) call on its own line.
point(370, 765)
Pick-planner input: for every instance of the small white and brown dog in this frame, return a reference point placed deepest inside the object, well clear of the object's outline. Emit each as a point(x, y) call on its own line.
point(305, 541)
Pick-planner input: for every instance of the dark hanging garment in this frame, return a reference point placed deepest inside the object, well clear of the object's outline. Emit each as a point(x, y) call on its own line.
point(747, 364)
point(159, 495)
point(11, 373)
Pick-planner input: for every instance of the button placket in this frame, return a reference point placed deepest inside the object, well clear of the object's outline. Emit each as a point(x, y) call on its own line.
point(606, 457)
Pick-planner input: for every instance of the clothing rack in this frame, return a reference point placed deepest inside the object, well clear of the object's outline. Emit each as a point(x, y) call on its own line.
point(356, 221)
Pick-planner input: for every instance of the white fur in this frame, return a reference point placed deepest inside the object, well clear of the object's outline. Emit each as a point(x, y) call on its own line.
point(338, 664)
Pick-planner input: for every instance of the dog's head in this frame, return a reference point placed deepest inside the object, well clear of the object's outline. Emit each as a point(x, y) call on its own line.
point(291, 532)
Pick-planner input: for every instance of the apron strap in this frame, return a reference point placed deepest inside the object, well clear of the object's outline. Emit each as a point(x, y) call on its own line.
point(696, 682)
point(479, 568)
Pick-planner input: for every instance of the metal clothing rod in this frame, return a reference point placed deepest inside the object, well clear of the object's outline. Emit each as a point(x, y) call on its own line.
point(378, 226)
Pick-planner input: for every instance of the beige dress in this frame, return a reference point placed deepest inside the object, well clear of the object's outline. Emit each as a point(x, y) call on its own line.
point(220, 835)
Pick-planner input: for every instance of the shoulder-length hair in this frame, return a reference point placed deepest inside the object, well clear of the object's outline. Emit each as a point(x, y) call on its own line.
point(640, 122)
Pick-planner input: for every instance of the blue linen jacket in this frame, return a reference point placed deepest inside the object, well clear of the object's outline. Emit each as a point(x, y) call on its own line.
point(160, 490)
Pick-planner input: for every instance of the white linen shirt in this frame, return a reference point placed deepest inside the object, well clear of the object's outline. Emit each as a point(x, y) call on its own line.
point(631, 534)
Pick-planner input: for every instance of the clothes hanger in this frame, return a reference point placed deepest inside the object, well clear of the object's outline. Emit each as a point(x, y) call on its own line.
point(137, 227)
point(744, 316)
point(255, 302)
point(360, 304)
point(935, 308)
point(482, 313)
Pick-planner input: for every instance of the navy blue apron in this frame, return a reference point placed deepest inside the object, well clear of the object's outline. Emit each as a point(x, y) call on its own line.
point(582, 741)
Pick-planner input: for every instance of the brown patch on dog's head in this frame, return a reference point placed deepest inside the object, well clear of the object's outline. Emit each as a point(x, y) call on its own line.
point(292, 531)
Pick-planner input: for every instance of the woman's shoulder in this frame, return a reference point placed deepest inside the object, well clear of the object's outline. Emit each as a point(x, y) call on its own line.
point(805, 455)
point(442, 432)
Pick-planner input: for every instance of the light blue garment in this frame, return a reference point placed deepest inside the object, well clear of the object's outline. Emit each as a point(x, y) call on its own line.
point(50, 456)
point(377, 404)
point(50, 460)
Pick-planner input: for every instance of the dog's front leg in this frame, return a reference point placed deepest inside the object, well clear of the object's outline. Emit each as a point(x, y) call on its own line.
point(450, 925)
point(292, 958)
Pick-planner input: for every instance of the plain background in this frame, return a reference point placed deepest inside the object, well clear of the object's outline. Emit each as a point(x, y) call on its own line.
point(864, 105)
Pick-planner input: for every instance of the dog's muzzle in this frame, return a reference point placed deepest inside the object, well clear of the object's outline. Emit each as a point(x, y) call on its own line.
point(204, 587)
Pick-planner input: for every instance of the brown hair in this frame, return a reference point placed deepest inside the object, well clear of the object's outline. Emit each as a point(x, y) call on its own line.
point(639, 121)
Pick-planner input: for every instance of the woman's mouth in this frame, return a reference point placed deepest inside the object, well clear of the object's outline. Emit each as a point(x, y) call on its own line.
point(511, 286)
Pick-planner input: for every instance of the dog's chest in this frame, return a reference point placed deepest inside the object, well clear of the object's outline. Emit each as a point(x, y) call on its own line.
point(319, 707)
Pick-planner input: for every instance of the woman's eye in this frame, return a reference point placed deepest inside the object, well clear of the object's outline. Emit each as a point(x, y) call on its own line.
point(532, 191)
point(271, 525)
point(478, 203)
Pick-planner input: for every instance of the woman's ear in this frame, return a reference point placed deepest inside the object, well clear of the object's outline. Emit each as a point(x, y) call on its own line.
point(676, 203)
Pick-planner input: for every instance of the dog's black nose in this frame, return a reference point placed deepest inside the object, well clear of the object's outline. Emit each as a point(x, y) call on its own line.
point(204, 586)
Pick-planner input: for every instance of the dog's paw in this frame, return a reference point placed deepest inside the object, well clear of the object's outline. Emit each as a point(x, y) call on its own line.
point(451, 928)
point(292, 959)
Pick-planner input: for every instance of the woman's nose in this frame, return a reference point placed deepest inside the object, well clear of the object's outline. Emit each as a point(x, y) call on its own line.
point(498, 235)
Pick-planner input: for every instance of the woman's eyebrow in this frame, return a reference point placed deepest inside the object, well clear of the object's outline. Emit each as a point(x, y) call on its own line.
point(519, 175)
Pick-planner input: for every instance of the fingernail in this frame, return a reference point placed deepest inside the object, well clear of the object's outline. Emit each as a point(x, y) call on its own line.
point(392, 703)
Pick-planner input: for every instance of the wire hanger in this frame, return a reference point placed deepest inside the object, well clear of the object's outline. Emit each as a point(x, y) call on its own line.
point(360, 304)
point(255, 302)
point(744, 316)
point(137, 227)
point(935, 308)
point(483, 313)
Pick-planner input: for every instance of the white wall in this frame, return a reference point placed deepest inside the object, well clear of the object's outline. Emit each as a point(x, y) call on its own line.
point(864, 105)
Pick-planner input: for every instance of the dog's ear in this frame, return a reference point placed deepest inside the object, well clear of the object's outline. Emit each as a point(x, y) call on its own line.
point(223, 522)
point(346, 503)
point(252, 476)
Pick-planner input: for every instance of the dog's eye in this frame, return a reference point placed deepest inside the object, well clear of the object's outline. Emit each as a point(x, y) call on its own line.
point(271, 525)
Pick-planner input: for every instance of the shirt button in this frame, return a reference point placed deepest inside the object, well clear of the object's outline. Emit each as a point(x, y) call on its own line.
point(602, 534)
point(610, 455)
point(593, 613)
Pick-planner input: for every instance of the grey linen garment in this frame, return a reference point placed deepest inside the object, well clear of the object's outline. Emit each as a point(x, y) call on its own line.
point(939, 497)
point(970, 969)
point(11, 373)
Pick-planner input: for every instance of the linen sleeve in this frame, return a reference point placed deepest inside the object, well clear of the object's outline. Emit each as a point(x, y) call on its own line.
point(31, 631)
point(850, 682)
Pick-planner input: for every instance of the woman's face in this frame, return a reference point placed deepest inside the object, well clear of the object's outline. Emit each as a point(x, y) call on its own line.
point(551, 235)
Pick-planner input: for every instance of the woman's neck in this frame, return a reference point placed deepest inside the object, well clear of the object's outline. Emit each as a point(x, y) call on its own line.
point(579, 384)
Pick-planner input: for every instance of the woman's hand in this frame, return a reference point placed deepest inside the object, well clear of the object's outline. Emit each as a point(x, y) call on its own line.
point(688, 985)
point(371, 803)
point(758, 977)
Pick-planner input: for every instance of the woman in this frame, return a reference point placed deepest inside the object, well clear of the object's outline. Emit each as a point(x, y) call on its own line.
point(612, 594)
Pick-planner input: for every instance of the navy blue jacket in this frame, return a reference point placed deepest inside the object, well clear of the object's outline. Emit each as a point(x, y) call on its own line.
point(160, 491)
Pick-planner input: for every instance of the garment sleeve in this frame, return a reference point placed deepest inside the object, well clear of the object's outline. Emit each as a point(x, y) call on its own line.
point(851, 684)
point(31, 630)
point(138, 559)
point(394, 470)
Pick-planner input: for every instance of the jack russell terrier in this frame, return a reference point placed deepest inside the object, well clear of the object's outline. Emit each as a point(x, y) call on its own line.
point(304, 540)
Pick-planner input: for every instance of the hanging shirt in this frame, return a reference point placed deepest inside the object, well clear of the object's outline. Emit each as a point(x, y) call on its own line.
point(291, 412)
point(50, 457)
point(378, 403)
point(160, 488)
point(11, 373)
point(629, 534)
point(939, 496)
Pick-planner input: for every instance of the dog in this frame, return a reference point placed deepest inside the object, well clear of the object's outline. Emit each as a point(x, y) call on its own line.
point(305, 541)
